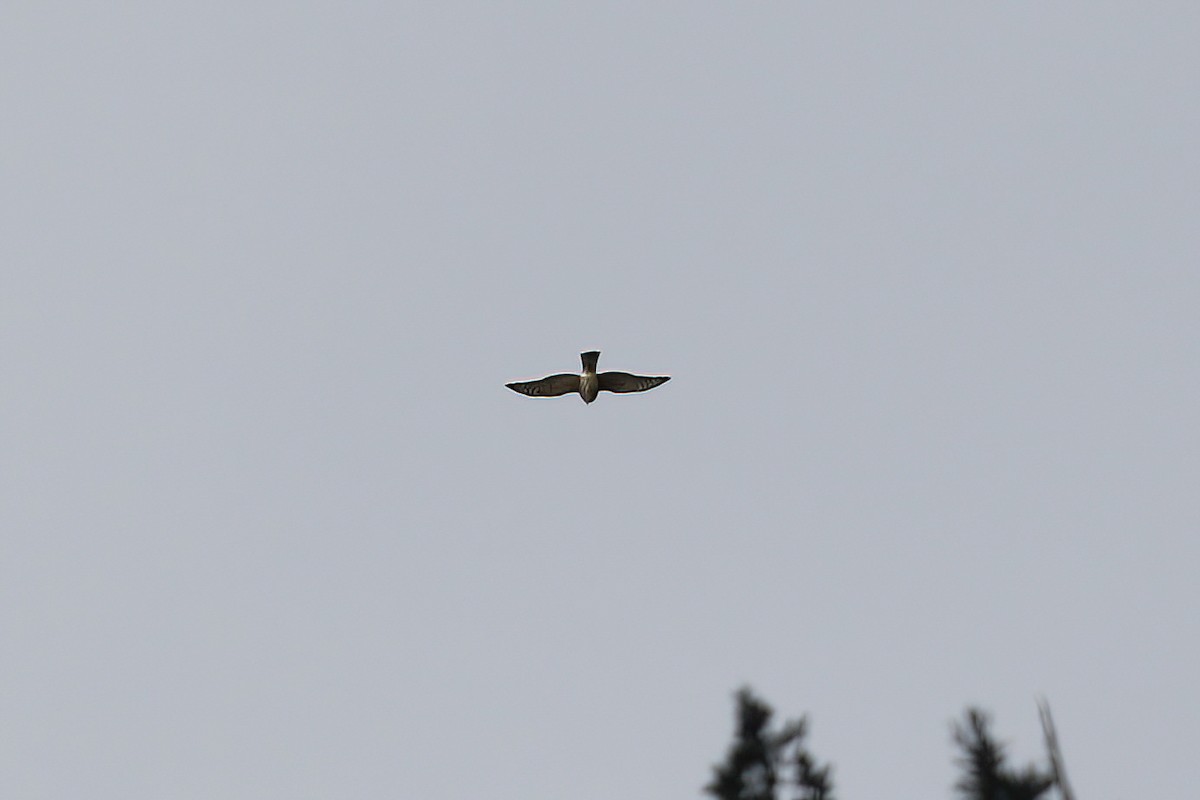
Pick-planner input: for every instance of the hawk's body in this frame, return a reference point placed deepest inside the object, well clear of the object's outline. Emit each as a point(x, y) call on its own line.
point(589, 383)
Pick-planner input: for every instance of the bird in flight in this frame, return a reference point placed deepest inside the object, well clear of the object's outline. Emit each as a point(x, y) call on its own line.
point(588, 384)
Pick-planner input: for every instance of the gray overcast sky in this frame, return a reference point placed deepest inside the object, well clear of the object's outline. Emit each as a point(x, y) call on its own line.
point(927, 282)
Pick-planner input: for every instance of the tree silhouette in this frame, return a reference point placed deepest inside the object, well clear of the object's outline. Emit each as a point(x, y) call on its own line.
point(772, 763)
point(761, 759)
point(987, 777)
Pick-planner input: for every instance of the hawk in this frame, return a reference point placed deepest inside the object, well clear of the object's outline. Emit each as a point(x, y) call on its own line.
point(588, 383)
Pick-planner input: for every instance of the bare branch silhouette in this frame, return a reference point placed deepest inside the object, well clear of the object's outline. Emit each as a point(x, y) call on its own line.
point(1057, 766)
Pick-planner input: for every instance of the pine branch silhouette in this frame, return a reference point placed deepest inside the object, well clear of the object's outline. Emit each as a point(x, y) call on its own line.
point(767, 762)
point(987, 776)
point(762, 759)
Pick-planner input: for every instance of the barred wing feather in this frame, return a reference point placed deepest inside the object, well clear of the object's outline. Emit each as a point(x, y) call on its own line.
point(552, 386)
point(622, 382)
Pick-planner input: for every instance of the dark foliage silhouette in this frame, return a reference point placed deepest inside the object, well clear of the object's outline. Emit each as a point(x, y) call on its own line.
point(763, 760)
point(987, 776)
point(772, 763)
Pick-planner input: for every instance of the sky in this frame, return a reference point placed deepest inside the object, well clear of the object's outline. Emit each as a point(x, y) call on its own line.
point(925, 279)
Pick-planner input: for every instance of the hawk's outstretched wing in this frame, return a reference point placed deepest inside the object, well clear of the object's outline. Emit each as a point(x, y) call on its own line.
point(622, 382)
point(553, 386)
